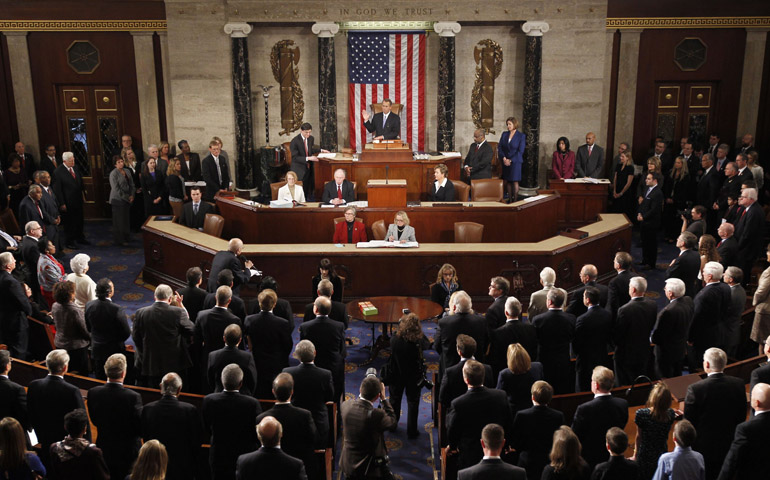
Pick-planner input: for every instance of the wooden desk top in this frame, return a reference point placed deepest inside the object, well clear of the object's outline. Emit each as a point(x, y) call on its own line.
point(389, 309)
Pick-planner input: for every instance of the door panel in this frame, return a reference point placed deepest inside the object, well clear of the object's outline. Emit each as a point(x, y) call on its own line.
point(684, 110)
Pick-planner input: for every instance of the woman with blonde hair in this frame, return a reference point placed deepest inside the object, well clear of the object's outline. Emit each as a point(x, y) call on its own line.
point(16, 462)
point(621, 184)
point(676, 193)
point(175, 182)
point(517, 380)
point(291, 192)
point(164, 151)
point(151, 463)
point(446, 284)
point(566, 462)
point(707, 249)
point(653, 166)
point(400, 230)
point(407, 369)
point(653, 425)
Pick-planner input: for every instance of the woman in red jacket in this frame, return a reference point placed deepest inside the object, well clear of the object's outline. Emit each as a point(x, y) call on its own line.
point(350, 231)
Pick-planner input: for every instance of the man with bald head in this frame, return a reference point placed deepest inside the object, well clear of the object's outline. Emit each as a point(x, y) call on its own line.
point(747, 144)
point(269, 461)
point(748, 457)
point(588, 276)
point(728, 245)
point(339, 191)
point(230, 259)
point(478, 161)
point(589, 161)
point(761, 374)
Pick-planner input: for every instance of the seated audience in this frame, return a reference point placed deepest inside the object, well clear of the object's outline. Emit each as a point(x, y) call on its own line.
point(108, 325)
point(652, 426)
point(566, 462)
point(71, 330)
point(446, 284)
point(563, 160)
point(326, 289)
point(351, 230)
point(683, 462)
point(491, 466)
point(618, 467)
point(76, 456)
point(512, 331)
point(326, 272)
point(338, 191)
point(270, 461)
point(230, 353)
point(517, 380)
point(400, 230)
point(16, 462)
point(452, 384)
point(152, 462)
point(85, 288)
point(533, 430)
point(269, 340)
point(443, 189)
point(194, 212)
point(291, 192)
point(49, 270)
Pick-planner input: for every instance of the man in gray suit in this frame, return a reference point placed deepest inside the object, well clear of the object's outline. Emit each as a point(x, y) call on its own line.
point(590, 158)
point(732, 327)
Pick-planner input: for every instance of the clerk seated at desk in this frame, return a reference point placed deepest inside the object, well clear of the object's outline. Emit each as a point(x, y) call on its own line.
point(194, 212)
point(384, 125)
point(443, 189)
point(339, 191)
point(291, 191)
point(399, 230)
point(350, 231)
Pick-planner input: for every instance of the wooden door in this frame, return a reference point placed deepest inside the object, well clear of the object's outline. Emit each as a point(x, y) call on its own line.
point(685, 110)
point(90, 122)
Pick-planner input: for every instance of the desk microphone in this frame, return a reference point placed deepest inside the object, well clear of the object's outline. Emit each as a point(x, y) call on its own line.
point(387, 167)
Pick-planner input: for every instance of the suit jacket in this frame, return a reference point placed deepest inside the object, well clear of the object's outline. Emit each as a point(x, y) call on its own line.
point(731, 329)
point(407, 234)
point(48, 165)
point(192, 299)
point(219, 359)
point(453, 385)
point(337, 313)
point(269, 463)
point(512, 331)
point(193, 173)
point(49, 399)
point(299, 163)
point(177, 425)
point(299, 434)
point(328, 337)
point(189, 219)
point(761, 300)
point(152, 188)
point(16, 307)
point(13, 401)
point(492, 468)
point(537, 302)
point(209, 332)
point(28, 212)
point(312, 389)
point(591, 422)
point(230, 420)
point(227, 259)
point(592, 166)
point(363, 427)
point(117, 412)
point(593, 332)
point(518, 386)
point(748, 232)
point(728, 251)
point(212, 179)
point(533, 436)
point(495, 315)
point(760, 374)
point(453, 325)
point(469, 414)
point(686, 267)
point(161, 335)
point(632, 331)
point(444, 194)
point(68, 190)
point(576, 306)
point(707, 190)
point(479, 160)
point(270, 343)
point(747, 457)
point(121, 186)
point(555, 330)
point(651, 208)
point(330, 191)
point(108, 325)
point(390, 131)
point(237, 306)
point(30, 254)
point(50, 204)
point(715, 406)
point(341, 232)
point(617, 467)
point(671, 330)
point(712, 305)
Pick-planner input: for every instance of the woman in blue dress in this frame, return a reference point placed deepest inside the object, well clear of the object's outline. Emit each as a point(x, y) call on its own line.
point(509, 151)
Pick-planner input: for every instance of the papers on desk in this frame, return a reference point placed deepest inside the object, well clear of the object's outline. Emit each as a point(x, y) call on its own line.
point(254, 272)
point(195, 184)
point(358, 204)
point(327, 155)
point(281, 204)
point(451, 154)
point(586, 180)
point(386, 244)
point(535, 198)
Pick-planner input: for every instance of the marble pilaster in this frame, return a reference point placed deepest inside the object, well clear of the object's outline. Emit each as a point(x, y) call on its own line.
point(628, 69)
point(244, 128)
point(147, 89)
point(533, 71)
point(23, 93)
point(751, 81)
point(327, 84)
point(445, 141)
point(167, 85)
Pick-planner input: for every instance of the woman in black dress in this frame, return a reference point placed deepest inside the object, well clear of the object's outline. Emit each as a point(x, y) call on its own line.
point(154, 185)
point(326, 272)
point(137, 206)
point(516, 380)
point(653, 425)
point(623, 197)
point(446, 284)
point(676, 192)
point(407, 369)
point(566, 462)
point(18, 183)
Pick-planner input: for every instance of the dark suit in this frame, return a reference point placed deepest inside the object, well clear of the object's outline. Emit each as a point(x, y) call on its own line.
point(686, 267)
point(707, 191)
point(214, 181)
point(299, 434)
point(177, 425)
point(651, 210)
point(389, 129)
point(453, 385)
point(670, 336)
point(49, 399)
point(237, 306)
point(313, 387)
point(444, 194)
point(731, 328)
point(227, 259)
point(591, 422)
point(219, 359)
point(30, 254)
point(109, 329)
point(328, 337)
point(576, 306)
point(192, 299)
point(209, 332)
point(589, 166)
point(364, 427)
point(161, 335)
point(230, 419)
point(760, 374)
point(728, 252)
point(555, 330)
point(492, 468)
point(299, 163)
point(446, 337)
point(632, 339)
point(617, 467)
point(533, 436)
point(269, 463)
point(512, 331)
point(518, 386)
point(48, 165)
point(495, 315)
point(116, 412)
point(479, 158)
point(152, 189)
point(193, 173)
point(28, 211)
point(748, 457)
point(330, 191)
point(749, 233)
point(69, 193)
point(593, 332)
point(469, 414)
point(712, 305)
point(270, 343)
point(13, 315)
point(715, 406)
point(13, 401)
point(337, 313)
point(282, 309)
point(190, 219)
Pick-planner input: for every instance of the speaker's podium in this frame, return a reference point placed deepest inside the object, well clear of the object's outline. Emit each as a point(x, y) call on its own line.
point(387, 151)
point(386, 193)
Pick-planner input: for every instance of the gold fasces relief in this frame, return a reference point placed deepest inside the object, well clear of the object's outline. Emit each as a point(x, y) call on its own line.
point(489, 63)
point(284, 60)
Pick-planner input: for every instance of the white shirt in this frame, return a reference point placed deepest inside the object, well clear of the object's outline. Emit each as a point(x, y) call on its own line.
point(442, 184)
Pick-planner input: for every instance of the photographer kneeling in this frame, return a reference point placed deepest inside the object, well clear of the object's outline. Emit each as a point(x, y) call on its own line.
point(364, 455)
point(696, 223)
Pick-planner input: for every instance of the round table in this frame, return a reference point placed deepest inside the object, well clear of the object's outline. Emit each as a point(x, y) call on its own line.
point(389, 311)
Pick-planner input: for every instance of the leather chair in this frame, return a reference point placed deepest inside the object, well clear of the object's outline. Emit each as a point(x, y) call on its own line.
point(496, 165)
point(287, 152)
point(487, 190)
point(342, 219)
point(379, 230)
point(8, 222)
point(176, 209)
point(394, 108)
point(274, 187)
point(468, 232)
point(213, 224)
point(462, 190)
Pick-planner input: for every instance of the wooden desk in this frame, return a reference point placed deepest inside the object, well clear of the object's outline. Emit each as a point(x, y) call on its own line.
point(581, 201)
point(418, 173)
point(312, 224)
point(386, 194)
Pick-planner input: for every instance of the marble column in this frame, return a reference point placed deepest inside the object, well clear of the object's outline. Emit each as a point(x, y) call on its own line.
point(533, 70)
point(628, 69)
point(445, 141)
point(23, 93)
point(144, 57)
point(751, 81)
point(244, 128)
point(327, 84)
point(167, 85)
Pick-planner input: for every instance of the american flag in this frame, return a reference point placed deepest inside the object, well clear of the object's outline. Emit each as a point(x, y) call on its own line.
point(387, 65)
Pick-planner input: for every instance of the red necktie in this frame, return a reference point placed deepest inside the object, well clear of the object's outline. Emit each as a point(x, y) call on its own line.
point(590, 147)
point(720, 243)
point(37, 204)
point(742, 214)
point(477, 147)
point(72, 172)
point(339, 192)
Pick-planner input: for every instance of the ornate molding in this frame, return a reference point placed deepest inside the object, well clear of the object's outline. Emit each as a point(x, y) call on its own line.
point(535, 29)
point(238, 30)
point(446, 29)
point(386, 25)
point(325, 29)
point(688, 22)
point(81, 25)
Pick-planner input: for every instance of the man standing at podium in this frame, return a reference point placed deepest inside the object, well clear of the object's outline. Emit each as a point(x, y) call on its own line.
point(303, 153)
point(384, 125)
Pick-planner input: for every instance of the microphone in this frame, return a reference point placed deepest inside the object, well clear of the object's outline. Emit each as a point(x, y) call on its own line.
point(387, 167)
point(637, 380)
